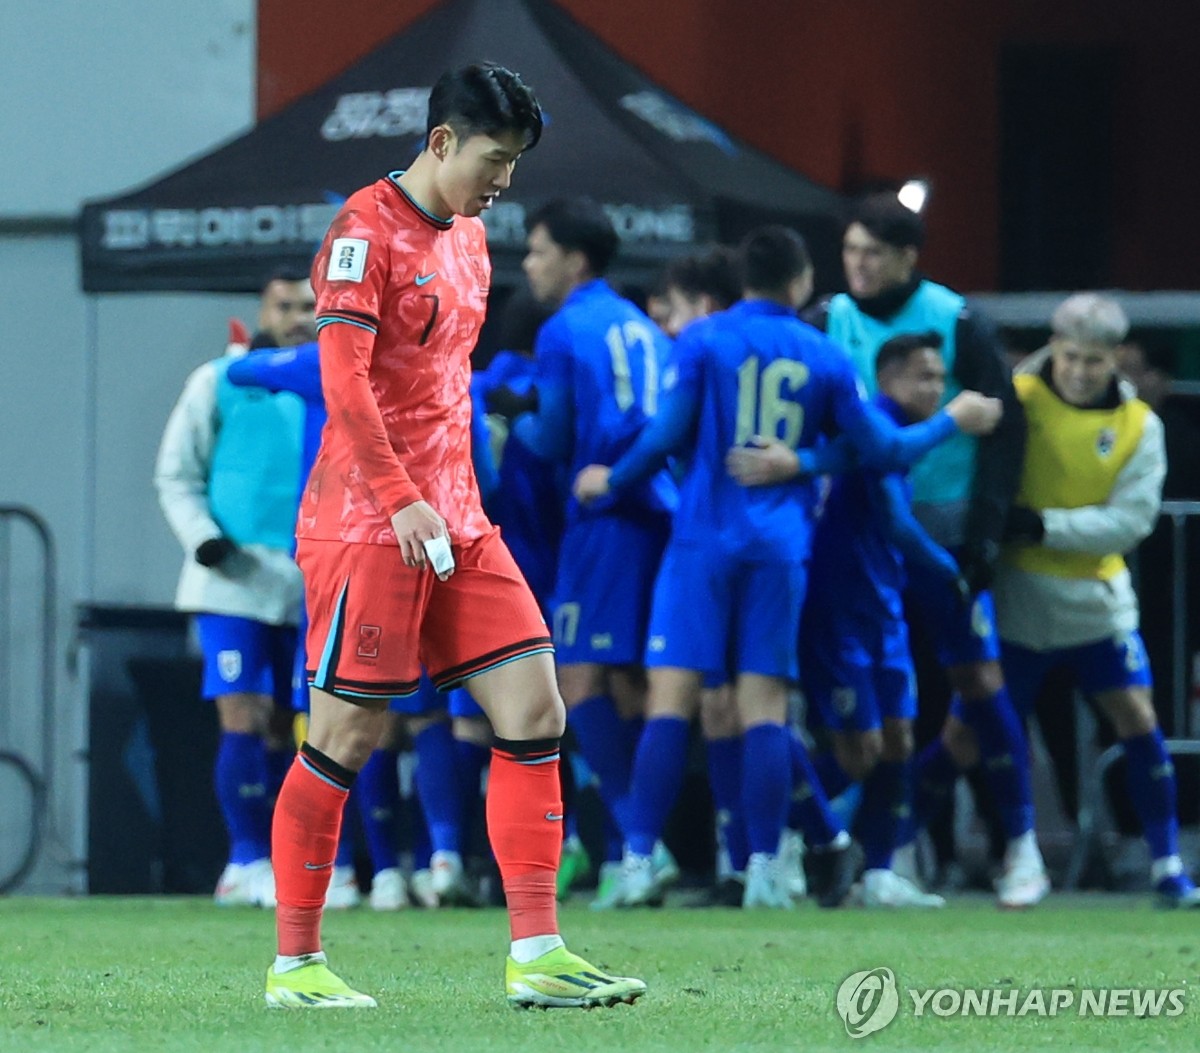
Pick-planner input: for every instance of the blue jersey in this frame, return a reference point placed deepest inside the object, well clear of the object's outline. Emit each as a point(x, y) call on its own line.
point(599, 360)
point(865, 537)
point(530, 494)
point(757, 369)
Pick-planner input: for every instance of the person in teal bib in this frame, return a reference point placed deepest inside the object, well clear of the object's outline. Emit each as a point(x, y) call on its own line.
point(961, 492)
point(228, 479)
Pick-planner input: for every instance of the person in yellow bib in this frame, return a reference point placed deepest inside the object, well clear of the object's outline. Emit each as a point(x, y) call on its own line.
point(1090, 491)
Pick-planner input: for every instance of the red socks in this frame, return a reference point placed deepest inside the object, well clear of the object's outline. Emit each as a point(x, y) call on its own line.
point(304, 837)
point(524, 819)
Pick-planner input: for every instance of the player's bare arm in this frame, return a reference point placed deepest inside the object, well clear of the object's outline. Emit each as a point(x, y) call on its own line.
point(974, 413)
point(591, 483)
point(762, 462)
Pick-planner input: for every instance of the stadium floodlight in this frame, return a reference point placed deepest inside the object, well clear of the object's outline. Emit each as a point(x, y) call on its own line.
point(914, 195)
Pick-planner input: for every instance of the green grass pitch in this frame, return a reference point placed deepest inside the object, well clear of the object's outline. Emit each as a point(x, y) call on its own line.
point(100, 975)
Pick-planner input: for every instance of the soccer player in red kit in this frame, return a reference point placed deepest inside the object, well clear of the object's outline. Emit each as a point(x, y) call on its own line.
point(402, 281)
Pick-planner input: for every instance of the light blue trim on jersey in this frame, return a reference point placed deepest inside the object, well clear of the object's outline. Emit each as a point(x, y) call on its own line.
point(346, 321)
point(944, 475)
point(254, 476)
point(322, 673)
point(394, 179)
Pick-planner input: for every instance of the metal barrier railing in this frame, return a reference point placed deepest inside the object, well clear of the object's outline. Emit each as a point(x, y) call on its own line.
point(34, 773)
point(1178, 512)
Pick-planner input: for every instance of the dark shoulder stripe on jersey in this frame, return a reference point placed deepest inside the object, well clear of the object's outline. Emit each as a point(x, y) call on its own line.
point(330, 319)
point(342, 312)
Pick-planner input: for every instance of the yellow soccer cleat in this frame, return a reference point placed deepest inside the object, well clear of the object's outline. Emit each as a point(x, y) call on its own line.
point(562, 980)
point(313, 986)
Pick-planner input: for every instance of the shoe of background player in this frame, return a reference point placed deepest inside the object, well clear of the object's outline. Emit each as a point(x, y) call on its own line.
point(573, 868)
point(448, 880)
point(831, 871)
point(791, 864)
point(1177, 890)
point(638, 887)
point(342, 893)
point(388, 891)
point(562, 980)
point(420, 887)
point(765, 884)
point(1023, 883)
point(885, 888)
point(313, 986)
point(666, 870)
point(608, 886)
point(246, 885)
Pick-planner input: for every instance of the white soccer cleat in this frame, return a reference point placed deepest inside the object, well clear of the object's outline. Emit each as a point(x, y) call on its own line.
point(420, 887)
point(246, 885)
point(1023, 884)
point(764, 884)
point(342, 893)
point(388, 891)
point(791, 864)
point(608, 886)
point(448, 880)
point(638, 887)
point(666, 870)
point(885, 888)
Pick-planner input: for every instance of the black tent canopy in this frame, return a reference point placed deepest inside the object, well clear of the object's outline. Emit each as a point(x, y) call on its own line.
point(667, 176)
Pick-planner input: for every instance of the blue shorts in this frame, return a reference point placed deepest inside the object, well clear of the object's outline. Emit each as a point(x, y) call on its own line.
point(1106, 665)
point(961, 635)
point(245, 656)
point(606, 571)
point(720, 615)
point(858, 675)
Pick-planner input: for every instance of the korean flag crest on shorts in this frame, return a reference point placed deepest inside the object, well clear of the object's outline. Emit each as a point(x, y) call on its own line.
point(347, 260)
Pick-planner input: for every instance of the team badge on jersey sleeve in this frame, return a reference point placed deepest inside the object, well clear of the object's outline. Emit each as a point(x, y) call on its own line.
point(347, 260)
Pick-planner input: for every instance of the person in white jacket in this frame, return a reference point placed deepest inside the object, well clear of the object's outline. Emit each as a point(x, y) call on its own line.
point(228, 481)
point(1090, 491)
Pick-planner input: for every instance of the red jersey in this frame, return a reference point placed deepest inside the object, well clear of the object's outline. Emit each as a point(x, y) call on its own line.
point(413, 288)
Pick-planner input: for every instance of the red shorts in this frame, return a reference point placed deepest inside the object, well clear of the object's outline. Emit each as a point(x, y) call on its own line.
point(374, 622)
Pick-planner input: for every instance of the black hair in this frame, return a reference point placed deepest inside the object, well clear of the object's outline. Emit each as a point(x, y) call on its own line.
point(483, 99)
point(1158, 348)
point(712, 273)
point(891, 222)
point(579, 224)
point(771, 256)
point(284, 273)
point(895, 351)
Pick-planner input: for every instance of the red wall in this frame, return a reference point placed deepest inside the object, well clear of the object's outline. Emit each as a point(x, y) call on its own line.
point(847, 91)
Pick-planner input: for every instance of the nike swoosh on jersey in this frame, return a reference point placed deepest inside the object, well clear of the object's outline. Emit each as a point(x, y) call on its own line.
point(425, 279)
point(552, 817)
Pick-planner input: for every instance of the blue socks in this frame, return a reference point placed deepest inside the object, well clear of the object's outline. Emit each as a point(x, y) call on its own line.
point(884, 804)
point(725, 783)
point(1004, 751)
point(658, 772)
point(810, 812)
point(378, 790)
point(832, 775)
point(438, 787)
point(607, 747)
point(241, 779)
point(1151, 779)
point(766, 783)
point(934, 779)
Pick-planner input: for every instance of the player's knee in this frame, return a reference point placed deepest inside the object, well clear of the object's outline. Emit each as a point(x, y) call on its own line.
point(244, 713)
point(579, 682)
point(960, 743)
point(859, 753)
point(1132, 713)
point(718, 714)
point(897, 741)
point(976, 680)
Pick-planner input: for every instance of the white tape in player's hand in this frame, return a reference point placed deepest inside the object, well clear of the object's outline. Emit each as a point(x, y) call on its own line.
point(440, 556)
